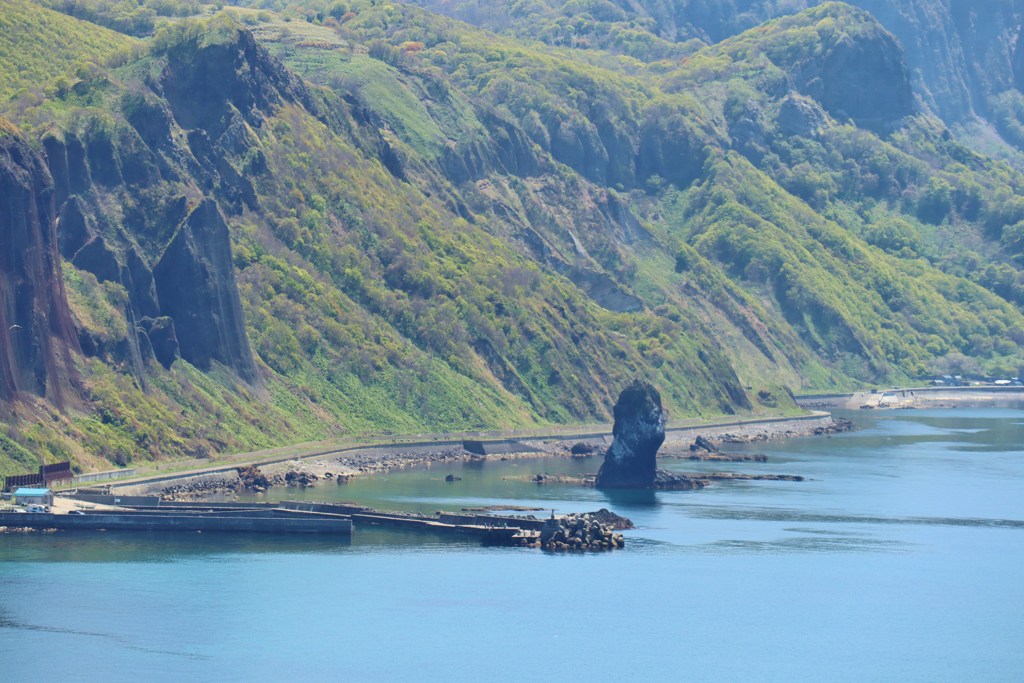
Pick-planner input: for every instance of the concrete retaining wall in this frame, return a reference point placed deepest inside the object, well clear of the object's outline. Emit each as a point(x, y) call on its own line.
point(501, 447)
point(102, 476)
point(148, 522)
point(103, 499)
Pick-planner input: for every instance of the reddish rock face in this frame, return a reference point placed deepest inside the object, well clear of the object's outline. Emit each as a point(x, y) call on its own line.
point(36, 332)
point(639, 431)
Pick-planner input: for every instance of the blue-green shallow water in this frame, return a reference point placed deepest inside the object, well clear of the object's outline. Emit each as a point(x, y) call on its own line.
point(900, 558)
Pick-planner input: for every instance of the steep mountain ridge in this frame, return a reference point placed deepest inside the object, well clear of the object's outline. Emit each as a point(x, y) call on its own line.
point(960, 53)
point(410, 224)
point(148, 205)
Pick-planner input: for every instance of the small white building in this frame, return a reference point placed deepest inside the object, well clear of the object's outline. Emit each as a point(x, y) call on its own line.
point(26, 496)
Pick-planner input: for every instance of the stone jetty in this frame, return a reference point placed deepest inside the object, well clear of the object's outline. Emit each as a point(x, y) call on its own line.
point(583, 532)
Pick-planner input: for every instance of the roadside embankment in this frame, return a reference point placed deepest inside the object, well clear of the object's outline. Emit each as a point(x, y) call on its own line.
point(337, 468)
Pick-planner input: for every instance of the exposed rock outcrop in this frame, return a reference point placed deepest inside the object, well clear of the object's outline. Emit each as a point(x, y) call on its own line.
point(36, 333)
point(584, 449)
point(301, 478)
point(163, 340)
point(195, 280)
point(206, 82)
point(506, 148)
point(863, 78)
point(251, 477)
point(639, 431)
point(702, 443)
point(75, 227)
point(669, 149)
point(604, 290)
point(801, 116)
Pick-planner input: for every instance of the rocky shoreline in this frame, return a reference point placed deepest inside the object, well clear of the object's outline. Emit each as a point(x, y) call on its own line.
point(339, 469)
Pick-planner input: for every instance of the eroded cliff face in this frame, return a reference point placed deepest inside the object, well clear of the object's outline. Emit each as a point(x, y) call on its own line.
point(35, 326)
point(195, 279)
point(208, 84)
point(140, 201)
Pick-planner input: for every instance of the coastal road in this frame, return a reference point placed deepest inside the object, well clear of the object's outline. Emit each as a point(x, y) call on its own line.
point(224, 464)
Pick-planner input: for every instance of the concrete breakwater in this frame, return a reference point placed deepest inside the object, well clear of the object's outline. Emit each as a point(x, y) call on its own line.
point(488, 530)
point(578, 532)
point(593, 531)
point(301, 517)
point(236, 519)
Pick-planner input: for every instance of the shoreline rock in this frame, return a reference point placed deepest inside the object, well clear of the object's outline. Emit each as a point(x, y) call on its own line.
point(727, 457)
point(638, 433)
point(702, 443)
point(579, 532)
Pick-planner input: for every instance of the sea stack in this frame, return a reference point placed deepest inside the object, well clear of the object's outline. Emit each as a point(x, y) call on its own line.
point(639, 431)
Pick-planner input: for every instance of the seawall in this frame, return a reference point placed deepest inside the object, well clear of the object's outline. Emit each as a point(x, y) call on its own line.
point(144, 521)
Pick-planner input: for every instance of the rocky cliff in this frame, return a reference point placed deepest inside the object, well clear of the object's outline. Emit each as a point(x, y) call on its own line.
point(195, 280)
point(861, 78)
point(36, 335)
point(959, 53)
point(139, 201)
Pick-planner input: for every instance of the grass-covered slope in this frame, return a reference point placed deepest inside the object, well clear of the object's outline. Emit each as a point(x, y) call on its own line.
point(866, 216)
point(39, 45)
point(375, 297)
point(429, 227)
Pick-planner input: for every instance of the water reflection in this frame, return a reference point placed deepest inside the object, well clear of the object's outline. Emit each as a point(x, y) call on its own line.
point(789, 515)
point(10, 623)
point(806, 544)
point(155, 547)
point(630, 499)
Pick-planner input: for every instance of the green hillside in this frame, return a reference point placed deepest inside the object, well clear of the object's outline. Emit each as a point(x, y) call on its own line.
point(38, 45)
point(412, 224)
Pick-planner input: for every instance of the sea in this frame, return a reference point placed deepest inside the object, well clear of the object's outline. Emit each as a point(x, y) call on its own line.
point(900, 557)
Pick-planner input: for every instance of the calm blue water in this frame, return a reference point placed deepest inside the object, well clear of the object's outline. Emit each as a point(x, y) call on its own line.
point(900, 558)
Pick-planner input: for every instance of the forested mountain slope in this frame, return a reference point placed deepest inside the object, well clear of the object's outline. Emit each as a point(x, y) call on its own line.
point(275, 226)
point(963, 56)
point(39, 46)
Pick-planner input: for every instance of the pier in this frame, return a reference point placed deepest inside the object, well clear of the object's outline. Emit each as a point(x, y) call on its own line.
point(202, 518)
point(288, 517)
point(489, 530)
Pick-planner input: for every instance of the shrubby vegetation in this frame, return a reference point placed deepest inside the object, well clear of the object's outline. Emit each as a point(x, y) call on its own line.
point(131, 17)
point(463, 230)
point(38, 47)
